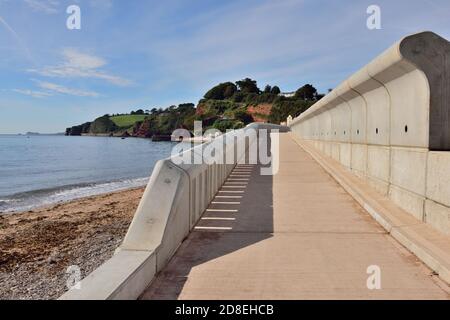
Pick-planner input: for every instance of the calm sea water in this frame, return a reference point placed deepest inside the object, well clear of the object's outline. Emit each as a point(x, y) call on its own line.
point(42, 170)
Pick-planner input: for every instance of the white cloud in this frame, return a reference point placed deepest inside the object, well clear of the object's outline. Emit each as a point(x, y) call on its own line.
point(46, 6)
point(81, 65)
point(80, 60)
point(33, 93)
point(48, 89)
point(53, 87)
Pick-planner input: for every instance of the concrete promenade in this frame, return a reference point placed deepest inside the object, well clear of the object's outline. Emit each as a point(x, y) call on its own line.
point(295, 235)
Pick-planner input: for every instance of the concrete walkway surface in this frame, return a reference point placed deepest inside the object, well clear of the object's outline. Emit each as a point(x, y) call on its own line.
point(294, 235)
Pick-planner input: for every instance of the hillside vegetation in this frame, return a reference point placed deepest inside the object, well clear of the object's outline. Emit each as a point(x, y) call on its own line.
point(227, 105)
point(126, 121)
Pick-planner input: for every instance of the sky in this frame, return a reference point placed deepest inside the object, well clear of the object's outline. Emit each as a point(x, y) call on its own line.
point(140, 54)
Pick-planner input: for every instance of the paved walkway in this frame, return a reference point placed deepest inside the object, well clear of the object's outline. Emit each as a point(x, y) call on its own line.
point(295, 235)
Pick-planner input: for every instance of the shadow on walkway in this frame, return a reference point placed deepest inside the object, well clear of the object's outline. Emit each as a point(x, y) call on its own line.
point(240, 215)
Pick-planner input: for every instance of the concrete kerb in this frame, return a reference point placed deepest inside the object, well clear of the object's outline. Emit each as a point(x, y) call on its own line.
point(430, 246)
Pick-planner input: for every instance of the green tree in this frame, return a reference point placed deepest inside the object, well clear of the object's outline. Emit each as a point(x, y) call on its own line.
point(248, 85)
point(230, 89)
point(186, 107)
point(221, 91)
point(307, 92)
point(267, 89)
point(275, 90)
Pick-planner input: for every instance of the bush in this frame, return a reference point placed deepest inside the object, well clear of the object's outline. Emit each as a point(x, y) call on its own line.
point(217, 107)
point(238, 125)
point(243, 116)
point(260, 98)
point(282, 108)
point(238, 96)
point(223, 125)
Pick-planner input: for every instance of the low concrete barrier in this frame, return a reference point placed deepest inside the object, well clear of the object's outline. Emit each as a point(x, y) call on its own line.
point(389, 123)
point(174, 200)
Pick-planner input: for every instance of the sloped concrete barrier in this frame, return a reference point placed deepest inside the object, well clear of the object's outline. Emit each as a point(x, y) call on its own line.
point(174, 200)
point(389, 123)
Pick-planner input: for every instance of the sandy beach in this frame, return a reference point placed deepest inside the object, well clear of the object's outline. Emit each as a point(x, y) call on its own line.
point(37, 247)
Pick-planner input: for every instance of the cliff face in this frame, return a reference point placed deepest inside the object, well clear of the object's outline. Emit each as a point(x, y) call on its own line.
point(200, 110)
point(142, 129)
point(260, 112)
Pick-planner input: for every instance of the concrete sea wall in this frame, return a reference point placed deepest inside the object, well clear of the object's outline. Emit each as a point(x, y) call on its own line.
point(389, 124)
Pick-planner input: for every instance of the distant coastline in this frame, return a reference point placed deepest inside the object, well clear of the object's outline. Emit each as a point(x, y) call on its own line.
point(43, 134)
point(32, 134)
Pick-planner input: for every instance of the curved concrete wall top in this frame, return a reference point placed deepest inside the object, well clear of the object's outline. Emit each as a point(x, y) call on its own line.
point(389, 124)
point(401, 98)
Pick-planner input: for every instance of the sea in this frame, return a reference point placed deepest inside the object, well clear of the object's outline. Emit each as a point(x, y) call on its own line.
point(41, 170)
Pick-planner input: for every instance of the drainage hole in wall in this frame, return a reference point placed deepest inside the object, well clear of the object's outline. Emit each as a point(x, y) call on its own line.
point(357, 131)
point(376, 131)
point(406, 129)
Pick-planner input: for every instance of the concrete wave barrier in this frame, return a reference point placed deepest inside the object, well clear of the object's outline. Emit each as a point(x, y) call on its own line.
point(173, 202)
point(389, 124)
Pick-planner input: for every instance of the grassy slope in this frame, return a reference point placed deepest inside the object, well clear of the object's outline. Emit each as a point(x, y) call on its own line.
point(127, 120)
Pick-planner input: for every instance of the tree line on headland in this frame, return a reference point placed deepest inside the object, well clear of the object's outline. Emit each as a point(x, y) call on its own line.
point(227, 105)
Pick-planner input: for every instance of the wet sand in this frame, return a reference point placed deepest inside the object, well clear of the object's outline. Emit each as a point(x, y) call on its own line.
point(37, 247)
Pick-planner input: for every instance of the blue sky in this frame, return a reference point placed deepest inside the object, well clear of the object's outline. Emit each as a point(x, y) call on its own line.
point(144, 53)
